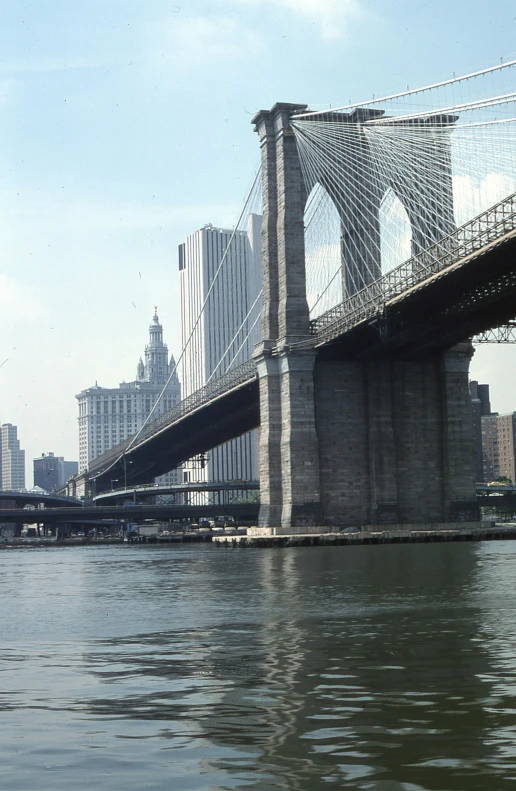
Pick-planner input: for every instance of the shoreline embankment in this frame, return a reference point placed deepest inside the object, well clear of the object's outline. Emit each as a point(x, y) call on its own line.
point(299, 537)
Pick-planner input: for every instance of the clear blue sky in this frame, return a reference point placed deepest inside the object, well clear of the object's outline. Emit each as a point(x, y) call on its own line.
point(125, 125)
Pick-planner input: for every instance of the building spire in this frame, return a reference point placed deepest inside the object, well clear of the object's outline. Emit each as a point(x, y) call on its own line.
point(156, 353)
point(140, 371)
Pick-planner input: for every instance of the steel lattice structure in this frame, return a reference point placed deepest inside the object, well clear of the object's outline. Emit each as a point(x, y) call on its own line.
point(488, 227)
point(504, 334)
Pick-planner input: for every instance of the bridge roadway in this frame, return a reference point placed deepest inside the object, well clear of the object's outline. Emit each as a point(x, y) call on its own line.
point(19, 499)
point(461, 286)
point(139, 493)
point(493, 496)
point(487, 496)
point(133, 512)
point(247, 512)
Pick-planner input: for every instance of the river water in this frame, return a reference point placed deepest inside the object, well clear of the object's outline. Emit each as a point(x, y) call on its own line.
point(187, 667)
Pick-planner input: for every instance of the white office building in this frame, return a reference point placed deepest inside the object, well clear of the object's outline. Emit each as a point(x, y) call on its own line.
point(108, 416)
point(217, 340)
point(12, 459)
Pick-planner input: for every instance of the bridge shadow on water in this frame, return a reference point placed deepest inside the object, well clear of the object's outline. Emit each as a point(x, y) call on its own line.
point(368, 668)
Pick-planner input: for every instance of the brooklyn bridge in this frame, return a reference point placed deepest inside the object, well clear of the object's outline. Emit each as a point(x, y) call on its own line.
point(388, 241)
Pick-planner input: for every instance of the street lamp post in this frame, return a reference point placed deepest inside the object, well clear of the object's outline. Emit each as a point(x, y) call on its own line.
point(90, 492)
point(124, 459)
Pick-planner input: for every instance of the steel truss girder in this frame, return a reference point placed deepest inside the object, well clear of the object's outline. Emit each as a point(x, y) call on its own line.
point(506, 333)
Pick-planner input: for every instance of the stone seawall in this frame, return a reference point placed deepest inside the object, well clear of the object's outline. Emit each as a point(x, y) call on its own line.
point(371, 534)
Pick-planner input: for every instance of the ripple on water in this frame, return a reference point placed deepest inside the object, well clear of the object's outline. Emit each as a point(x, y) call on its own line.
point(383, 668)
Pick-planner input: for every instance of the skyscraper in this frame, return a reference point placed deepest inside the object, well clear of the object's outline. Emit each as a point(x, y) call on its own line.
point(51, 472)
point(481, 407)
point(218, 337)
point(12, 459)
point(506, 425)
point(490, 450)
point(108, 416)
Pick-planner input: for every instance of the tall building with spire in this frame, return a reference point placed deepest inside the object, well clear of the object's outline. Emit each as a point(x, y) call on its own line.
point(157, 365)
point(108, 416)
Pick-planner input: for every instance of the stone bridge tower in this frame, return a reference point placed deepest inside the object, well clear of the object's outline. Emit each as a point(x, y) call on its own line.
point(346, 441)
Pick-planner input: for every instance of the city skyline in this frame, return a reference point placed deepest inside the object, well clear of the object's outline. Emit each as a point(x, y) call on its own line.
point(125, 128)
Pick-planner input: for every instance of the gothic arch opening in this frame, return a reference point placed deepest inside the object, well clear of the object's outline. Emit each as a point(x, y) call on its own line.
point(395, 231)
point(322, 252)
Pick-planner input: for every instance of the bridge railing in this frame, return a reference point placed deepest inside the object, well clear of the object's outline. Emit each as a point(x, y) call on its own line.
point(242, 373)
point(469, 238)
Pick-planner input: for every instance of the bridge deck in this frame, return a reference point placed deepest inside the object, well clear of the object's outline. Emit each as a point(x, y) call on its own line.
point(416, 283)
point(132, 513)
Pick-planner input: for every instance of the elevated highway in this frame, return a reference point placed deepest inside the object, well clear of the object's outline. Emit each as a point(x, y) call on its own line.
point(18, 499)
point(130, 513)
point(219, 492)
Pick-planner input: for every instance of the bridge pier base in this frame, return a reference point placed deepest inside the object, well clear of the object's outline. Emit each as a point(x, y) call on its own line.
point(288, 445)
point(459, 442)
point(347, 443)
point(301, 501)
point(396, 440)
point(269, 436)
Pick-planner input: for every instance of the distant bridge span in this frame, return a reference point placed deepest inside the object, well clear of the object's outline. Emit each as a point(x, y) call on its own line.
point(219, 412)
point(10, 499)
point(218, 491)
point(134, 512)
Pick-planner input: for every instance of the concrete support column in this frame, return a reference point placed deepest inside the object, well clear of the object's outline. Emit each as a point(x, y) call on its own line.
point(270, 286)
point(299, 442)
point(382, 447)
point(360, 244)
point(427, 193)
point(269, 437)
point(396, 440)
point(342, 429)
point(458, 445)
point(418, 430)
point(356, 187)
point(293, 314)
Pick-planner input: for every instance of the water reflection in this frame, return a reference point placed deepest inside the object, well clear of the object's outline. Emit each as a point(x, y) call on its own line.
point(379, 668)
point(496, 596)
point(360, 668)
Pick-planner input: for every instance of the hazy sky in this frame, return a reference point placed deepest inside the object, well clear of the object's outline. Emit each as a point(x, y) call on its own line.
point(125, 125)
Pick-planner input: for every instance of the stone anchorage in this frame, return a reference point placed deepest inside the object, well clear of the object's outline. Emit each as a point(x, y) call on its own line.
point(345, 442)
